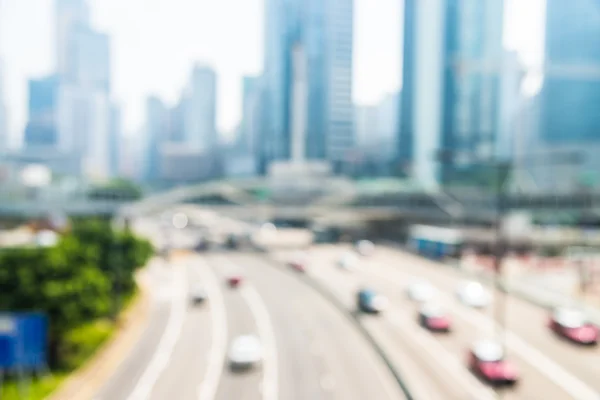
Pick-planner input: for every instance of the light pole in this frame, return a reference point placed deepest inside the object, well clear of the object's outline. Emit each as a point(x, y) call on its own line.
point(502, 171)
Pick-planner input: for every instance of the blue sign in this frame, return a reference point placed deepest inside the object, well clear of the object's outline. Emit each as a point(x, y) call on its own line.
point(23, 341)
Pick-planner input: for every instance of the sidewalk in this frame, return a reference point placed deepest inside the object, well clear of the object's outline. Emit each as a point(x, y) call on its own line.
point(84, 383)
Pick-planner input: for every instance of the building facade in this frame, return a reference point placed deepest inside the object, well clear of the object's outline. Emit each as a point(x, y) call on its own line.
point(156, 130)
point(323, 30)
point(452, 67)
point(570, 95)
point(41, 128)
point(3, 114)
point(200, 110)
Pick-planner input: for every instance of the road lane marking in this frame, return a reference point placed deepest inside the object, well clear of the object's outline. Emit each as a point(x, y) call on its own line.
point(265, 331)
point(216, 356)
point(442, 357)
point(169, 338)
point(553, 371)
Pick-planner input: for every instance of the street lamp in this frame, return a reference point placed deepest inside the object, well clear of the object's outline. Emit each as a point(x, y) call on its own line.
point(505, 231)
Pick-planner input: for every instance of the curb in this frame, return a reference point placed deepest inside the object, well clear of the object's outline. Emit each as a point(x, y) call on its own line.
point(349, 315)
point(85, 382)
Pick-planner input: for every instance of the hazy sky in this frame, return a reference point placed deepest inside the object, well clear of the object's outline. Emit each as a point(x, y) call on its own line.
point(154, 43)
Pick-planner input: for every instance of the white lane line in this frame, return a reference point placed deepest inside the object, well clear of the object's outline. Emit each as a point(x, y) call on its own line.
point(270, 384)
point(216, 357)
point(442, 358)
point(553, 371)
point(169, 338)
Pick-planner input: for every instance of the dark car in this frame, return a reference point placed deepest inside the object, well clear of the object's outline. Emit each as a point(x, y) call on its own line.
point(371, 302)
point(572, 325)
point(232, 242)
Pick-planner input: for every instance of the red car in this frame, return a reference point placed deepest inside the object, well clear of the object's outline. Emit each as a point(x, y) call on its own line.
point(487, 360)
point(297, 265)
point(434, 318)
point(234, 281)
point(572, 324)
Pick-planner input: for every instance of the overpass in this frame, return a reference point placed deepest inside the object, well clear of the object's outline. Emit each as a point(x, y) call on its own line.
point(339, 200)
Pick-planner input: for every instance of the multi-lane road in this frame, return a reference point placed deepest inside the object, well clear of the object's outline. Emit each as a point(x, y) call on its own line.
point(311, 349)
point(315, 350)
point(434, 366)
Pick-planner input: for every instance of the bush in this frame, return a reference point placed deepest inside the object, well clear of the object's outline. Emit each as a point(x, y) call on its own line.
point(82, 342)
point(74, 282)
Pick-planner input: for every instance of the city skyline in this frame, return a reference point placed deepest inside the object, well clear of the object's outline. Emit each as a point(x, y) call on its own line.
point(377, 30)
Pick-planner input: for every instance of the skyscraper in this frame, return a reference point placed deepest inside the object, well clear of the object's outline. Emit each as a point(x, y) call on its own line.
point(69, 15)
point(3, 113)
point(570, 97)
point(251, 114)
point(323, 32)
point(452, 63)
point(200, 117)
point(41, 127)
point(91, 58)
point(156, 130)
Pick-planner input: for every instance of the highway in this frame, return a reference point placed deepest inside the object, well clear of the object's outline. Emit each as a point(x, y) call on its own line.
point(311, 349)
point(434, 365)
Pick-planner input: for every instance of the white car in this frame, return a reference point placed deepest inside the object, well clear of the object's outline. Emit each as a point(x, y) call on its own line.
point(473, 294)
point(198, 294)
point(365, 248)
point(348, 261)
point(245, 352)
point(421, 291)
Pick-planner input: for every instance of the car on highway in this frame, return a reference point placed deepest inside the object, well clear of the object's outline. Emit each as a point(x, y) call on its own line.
point(487, 359)
point(197, 294)
point(202, 245)
point(473, 294)
point(298, 262)
point(365, 248)
point(421, 291)
point(232, 242)
point(371, 302)
point(434, 318)
point(234, 281)
point(348, 262)
point(245, 352)
point(572, 324)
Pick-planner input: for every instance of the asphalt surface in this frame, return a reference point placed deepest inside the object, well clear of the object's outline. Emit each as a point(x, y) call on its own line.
point(311, 349)
point(434, 365)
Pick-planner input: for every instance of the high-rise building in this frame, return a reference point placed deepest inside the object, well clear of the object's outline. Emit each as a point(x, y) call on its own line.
point(115, 141)
point(200, 129)
point(91, 58)
point(570, 96)
point(322, 31)
point(3, 113)
point(249, 130)
point(452, 64)
point(69, 16)
point(156, 131)
point(42, 106)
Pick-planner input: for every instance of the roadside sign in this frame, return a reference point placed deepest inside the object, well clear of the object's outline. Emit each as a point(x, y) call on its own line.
point(23, 341)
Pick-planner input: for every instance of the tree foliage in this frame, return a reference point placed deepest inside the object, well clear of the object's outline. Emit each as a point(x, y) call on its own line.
point(75, 281)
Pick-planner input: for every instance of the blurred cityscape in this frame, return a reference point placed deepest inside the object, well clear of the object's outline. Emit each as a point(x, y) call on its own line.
point(462, 91)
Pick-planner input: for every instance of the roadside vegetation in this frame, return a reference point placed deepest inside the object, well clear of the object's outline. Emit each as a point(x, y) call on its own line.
point(81, 284)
